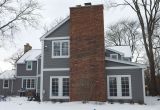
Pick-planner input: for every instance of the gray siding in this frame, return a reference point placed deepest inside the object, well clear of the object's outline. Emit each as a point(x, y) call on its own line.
point(21, 70)
point(46, 81)
point(17, 85)
point(114, 64)
point(136, 82)
point(62, 31)
point(50, 62)
point(39, 65)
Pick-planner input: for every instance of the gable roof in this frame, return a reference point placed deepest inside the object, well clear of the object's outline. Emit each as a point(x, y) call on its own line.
point(8, 74)
point(54, 28)
point(126, 50)
point(31, 55)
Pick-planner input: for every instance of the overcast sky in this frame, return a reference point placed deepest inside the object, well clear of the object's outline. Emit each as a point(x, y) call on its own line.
point(51, 10)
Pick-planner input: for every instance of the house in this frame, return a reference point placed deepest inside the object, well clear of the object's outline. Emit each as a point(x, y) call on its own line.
point(7, 79)
point(74, 65)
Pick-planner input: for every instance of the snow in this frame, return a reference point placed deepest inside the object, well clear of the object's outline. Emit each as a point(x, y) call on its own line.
point(21, 103)
point(8, 74)
point(122, 49)
point(31, 55)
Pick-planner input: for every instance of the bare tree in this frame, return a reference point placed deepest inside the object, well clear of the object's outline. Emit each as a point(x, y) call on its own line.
point(17, 13)
point(125, 32)
point(15, 57)
point(148, 13)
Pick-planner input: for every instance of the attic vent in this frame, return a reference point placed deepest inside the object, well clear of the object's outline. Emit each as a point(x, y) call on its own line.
point(87, 4)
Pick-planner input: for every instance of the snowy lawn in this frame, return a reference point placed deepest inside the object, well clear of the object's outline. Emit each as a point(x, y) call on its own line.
point(17, 103)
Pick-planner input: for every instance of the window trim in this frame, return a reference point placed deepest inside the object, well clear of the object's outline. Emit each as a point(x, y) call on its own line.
point(30, 83)
point(60, 88)
point(61, 41)
point(4, 84)
point(114, 58)
point(119, 88)
point(27, 65)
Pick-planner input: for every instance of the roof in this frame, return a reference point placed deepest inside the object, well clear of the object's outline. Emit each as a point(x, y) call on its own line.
point(122, 49)
point(8, 74)
point(31, 55)
point(55, 27)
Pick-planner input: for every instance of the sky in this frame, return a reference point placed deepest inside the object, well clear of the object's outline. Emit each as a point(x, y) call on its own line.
point(51, 10)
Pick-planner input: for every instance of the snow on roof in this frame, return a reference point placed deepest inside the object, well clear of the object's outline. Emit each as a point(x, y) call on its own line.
point(8, 74)
point(123, 49)
point(31, 55)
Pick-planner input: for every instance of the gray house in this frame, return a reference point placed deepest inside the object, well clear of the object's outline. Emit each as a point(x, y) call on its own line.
point(74, 64)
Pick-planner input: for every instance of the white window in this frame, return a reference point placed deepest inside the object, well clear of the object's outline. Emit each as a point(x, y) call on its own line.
point(59, 87)
point(28, 83)
point(119, 87)
point(60, 49)
point(114, 56)
point(5, 84)
point(29, 65)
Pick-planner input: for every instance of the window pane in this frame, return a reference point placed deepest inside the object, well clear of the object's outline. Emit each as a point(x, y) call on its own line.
point(114, 56)
point(125, 86)
point(55, 87)
point(56, 47)
point(24, 83)
point(64, 48)
point(6, 83)
point(113, 86)
point(28, 83)
point(29, 65)
point(65, 86)
point(32, 83)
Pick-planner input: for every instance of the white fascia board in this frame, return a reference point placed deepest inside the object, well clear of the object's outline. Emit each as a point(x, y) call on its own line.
point(56, 69)
point(123, 67)
point(126, 62)
point(54, 28)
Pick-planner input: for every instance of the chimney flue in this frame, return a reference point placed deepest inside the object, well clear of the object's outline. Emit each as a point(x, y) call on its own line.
point(88, 4)
point(27, 47)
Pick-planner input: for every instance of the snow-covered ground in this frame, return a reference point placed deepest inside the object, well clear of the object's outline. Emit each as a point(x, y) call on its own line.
point(17, 103)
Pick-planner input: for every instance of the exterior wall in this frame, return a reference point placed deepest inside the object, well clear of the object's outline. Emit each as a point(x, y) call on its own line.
point(6, 91)
point(108, 52)
point(87, 53)
point(50, 62)
point(136, 82)
point(62, 31)
point(17, 85)
point(21, 69)
point(46, 82)
point(39, 65)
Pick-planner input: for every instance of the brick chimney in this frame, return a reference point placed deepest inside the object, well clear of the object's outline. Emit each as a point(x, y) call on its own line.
point(27, 47)
point(87, 56)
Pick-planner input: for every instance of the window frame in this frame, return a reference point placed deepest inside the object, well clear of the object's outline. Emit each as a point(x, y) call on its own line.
point(60, 87)
point(113, 55)
point(30, 83)
point(119, 87)
point(27, 65)
point(60, 56)
point(4, 84)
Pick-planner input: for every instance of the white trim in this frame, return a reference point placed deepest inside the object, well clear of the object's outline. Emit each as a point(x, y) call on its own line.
point(27, 65)
point(41, 78)
point(126, 62)
point(30, 83)
point(123, 67)
point(54, 28)
point(58, 38)
point(26, 76)
point(111, 56)
point(143, 82)
point(119, 89)
point(3, 84)
point(61, 56)
point(60, 89)
point(56, 69)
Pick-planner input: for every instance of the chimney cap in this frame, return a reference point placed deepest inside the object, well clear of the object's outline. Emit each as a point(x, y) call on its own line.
point(88, 4)
point(78, 5)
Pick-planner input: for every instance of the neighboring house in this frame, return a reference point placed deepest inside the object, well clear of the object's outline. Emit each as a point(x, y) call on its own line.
point(73, 64)
point(7, 79)
point(28, 70)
